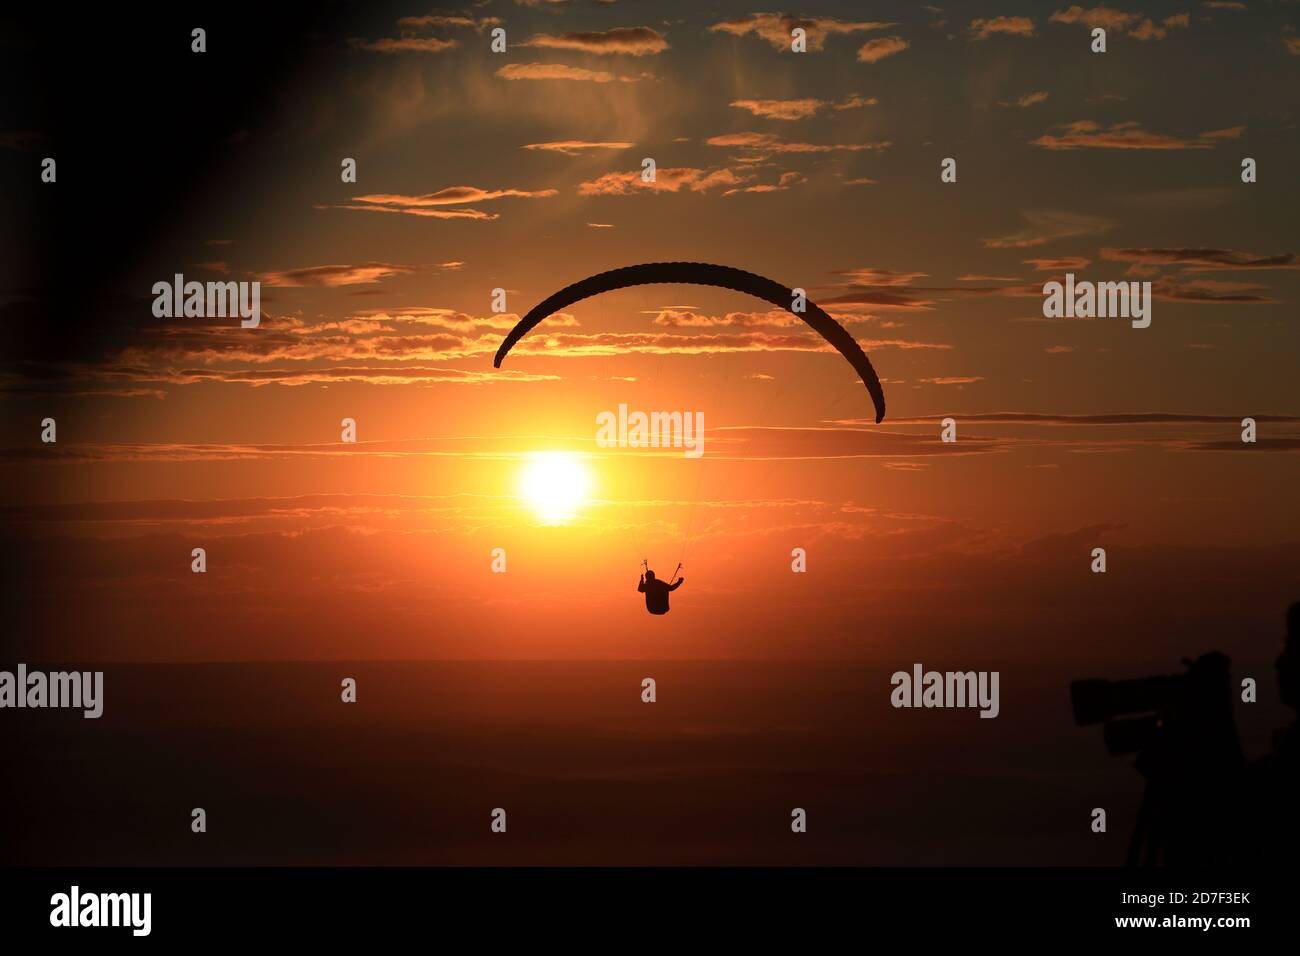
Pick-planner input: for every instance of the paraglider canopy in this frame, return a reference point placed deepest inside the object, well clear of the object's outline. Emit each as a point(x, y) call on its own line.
point(702, 273)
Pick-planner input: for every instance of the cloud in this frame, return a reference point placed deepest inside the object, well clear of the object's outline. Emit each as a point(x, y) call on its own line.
point(771, 143)
point(431, 204)
point(873, 51)
point(982, 29)
point(1119, 21)
point(575, 147)
point(1029, 99)
point(362, 374)
point(1044, 226)
point(1210, 292)
point(671, 180)
point(1149, 30)
point(801, 109)
point(434, 21)
point(454, 195)
point(787, 180)
point(774, 318)
point(405, 45)
point(418, 211)
point(1086, 134)
point(334, 275)
point(1202, 259)
point(775, 28)
point(855, 101)
point(1232, 132)
point(1101, 16)
point(781, 109)
point(558, 71)
point(1059, 263)
point(953, 380)
point(411, 30)
point(632, 41)
point(659, 343)
point(879, 277)
point(887, 290)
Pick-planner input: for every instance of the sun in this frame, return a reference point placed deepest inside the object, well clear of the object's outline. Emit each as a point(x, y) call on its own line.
point(555, 484)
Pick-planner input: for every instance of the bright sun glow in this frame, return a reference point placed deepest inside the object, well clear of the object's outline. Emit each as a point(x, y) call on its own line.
point(555, 484)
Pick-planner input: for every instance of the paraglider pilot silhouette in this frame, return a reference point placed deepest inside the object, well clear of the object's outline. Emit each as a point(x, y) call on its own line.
point(656, 592)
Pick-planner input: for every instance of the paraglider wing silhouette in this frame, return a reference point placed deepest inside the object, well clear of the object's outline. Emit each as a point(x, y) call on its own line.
point(702, 273)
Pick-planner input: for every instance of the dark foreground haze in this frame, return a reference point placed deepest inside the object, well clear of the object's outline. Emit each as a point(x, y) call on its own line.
point(586, 772)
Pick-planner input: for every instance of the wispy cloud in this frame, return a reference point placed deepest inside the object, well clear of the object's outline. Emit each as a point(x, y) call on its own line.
point(1087, 134)
point(1202, 259)
point(670, 180)
point(334, 275)
point(406, 45)
point(771, 143)
point(575, 147)
point(873, 51)
point(630, 41)
point(1110, 19)
point(801, 108)
point(775, 28)
point(414, 34)
point(1029, 99)
point(1044, 226)
point(781, 109)
point(982, 29)
point(434, 205)
point(1059, 263)
point(559, 71)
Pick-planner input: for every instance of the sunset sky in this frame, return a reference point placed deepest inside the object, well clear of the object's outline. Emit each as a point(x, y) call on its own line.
point(522, 171)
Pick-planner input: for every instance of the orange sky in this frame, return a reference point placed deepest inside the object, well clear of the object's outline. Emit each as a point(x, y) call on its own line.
point(821, 170)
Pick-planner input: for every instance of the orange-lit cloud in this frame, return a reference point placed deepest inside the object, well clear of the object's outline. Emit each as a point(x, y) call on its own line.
point(982, 29)
point(1043, 226)
point(559, 71)
point(1110, 19)
point(405, 45)
point(1029, 99)
point(801, 108)
point(1202, 259)
point(781, 109)
point(1150, 30)
point(334, 275)
point(431, 204)
point(631, 41)
point(873, 51)
point(413, 30)
point(419, 211)
point(575, 147)
point(775, 28)
point(1059, 263)
point(771, 143)
point(670, 180)
point(1087, 134)
point(434, 21)
point(454, 195)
